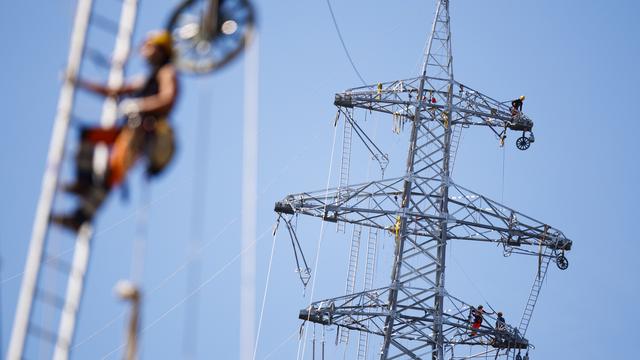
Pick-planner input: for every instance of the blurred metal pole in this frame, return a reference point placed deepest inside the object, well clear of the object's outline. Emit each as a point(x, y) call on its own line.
point(249, 203)
point(130, 292)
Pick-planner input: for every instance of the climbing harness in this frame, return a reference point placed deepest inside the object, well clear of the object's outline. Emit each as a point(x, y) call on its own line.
point(266, 288)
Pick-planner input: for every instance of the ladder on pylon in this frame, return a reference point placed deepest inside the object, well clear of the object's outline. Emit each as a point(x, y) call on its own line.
point(545, 259)
point(345, 165)
point(535, 291)
point(456, 137)
point(42, 302)
point(352, 270)
point(369, 274)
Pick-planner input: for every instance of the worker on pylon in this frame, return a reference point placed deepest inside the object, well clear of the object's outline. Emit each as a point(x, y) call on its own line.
point(501, 329)
point(477, 318)
point(516, 106)
point(145, 131)
point(501, 324)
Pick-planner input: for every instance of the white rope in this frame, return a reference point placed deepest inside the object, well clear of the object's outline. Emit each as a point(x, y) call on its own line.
point(100, 233)
point(281, 344)
point(503, 165)
point(264, 296)
point(471, 281)
point(315, 266)
point(283, 170)
point(163, 282)
point(194, 292)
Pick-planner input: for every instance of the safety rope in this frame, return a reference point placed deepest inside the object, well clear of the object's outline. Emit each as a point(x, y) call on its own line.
point(202, 285)
point(503, 166)
point(266, 290)
point(319, 244)
point(275, 350)
point(159, 286)
point(472, 283)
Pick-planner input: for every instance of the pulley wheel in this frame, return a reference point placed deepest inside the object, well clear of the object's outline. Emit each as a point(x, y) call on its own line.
point(206, 39)
point(523, 143)
point(562, 262)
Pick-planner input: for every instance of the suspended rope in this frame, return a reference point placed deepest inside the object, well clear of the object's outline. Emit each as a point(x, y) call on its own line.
point(275, 350)
point(473, 283)
point(266, 289)
point(323, 338)
point(503, 166)
point(344, 46)
point(319, 244)
point(313, 342)
point(206, 282)
point(160, 285)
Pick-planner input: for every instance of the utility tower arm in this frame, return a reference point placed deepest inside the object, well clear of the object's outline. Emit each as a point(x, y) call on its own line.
point(401, 98)
point(365, 311)
point(472, 216)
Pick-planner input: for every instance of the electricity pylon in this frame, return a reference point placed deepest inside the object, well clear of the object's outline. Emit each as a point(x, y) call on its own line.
point(426, 209)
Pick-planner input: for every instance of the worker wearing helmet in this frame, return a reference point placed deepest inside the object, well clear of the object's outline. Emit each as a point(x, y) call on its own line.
point(144, 107)
point(501, 323)
point(477, 316)
point(516, 106)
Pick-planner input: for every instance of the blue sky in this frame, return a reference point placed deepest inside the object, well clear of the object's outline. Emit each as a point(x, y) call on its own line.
point(574, 60)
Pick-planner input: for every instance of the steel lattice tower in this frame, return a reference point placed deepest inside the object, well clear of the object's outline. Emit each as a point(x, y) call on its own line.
point(425, 208)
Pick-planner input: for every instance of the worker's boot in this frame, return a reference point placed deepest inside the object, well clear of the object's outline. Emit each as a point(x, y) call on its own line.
point(79, 188)
point(70, 222)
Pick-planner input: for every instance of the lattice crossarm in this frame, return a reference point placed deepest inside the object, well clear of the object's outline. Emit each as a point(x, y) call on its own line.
point(476, 217)
point(399, 98)
point(475, 108)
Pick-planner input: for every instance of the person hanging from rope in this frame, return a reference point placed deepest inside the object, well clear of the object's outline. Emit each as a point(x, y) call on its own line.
point(144, 132)
point(516, 106)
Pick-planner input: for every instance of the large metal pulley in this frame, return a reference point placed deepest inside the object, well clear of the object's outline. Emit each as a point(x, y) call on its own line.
point(208, 34)
point(524, 142)
point(562, 262)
